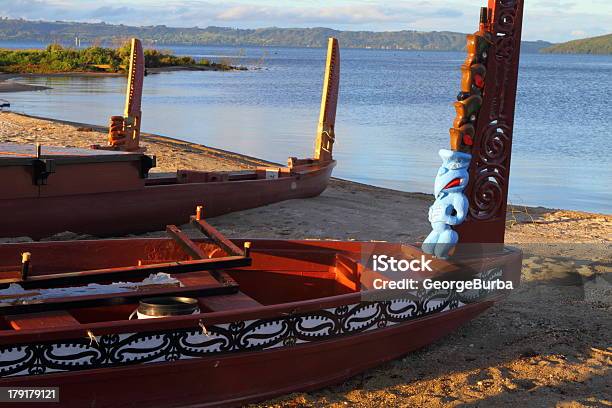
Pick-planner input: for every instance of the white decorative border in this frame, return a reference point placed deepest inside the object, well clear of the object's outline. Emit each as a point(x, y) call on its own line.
point(260, 334)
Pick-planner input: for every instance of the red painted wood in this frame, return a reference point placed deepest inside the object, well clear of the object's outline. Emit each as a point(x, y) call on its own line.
point(232, 380)
point(487, 189)
point(28, 151)
point(21, 185)
point(218, 238)
point(70, 179)
point(152, 207)
point(303, 291)
point(34, 321)
point(191, 282)
point(235, 301)
point(191, 248)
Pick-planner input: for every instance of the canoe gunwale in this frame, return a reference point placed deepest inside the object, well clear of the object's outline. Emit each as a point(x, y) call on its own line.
point(510, 258)
point(230, 362)
point(129, 211)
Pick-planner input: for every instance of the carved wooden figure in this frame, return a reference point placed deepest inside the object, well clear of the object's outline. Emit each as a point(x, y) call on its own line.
point(489, 169)
point(483, 125)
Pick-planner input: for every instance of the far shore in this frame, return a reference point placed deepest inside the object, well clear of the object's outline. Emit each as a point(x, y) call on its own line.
point(547, 343)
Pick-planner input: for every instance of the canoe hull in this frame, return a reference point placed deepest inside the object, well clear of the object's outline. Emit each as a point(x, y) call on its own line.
point(307, 324)
point(152, 207)
point(232, 380)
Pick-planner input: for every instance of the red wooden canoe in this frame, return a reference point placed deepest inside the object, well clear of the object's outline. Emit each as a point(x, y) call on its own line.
point(106, 193)
point(272, 317)
point(298, 315)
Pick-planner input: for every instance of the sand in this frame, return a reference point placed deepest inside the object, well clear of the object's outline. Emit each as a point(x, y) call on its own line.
point(6, 85)
point(548, 344)
point(11, 86)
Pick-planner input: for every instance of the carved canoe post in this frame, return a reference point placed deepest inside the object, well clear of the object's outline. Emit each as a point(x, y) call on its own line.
point(471, 188)
point(489, 172)
point(329, 100)
point(124, 131)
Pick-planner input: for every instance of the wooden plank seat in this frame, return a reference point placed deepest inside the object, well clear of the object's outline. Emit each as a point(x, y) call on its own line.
point(43, 320)
point(235, 301)
point(200, 277)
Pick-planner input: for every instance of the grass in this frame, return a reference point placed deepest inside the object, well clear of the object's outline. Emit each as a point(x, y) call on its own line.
point(57, 59)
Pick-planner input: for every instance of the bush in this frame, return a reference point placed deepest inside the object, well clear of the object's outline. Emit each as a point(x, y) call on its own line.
point(56, 58)
point(158, 59)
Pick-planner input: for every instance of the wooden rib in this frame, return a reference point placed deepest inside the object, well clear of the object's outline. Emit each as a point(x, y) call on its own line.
point(218, 238)
point(195, 252)
point(185, 243)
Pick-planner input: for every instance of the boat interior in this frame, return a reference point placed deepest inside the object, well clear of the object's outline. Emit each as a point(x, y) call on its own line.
point(274, 272)
point(297, 167)
point(52, 285)
point(280, 273)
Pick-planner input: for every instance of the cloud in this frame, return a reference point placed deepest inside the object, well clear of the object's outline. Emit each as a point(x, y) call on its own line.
point(447, 12)
point(553, 20)
point(108, 11)
point(28, 8)
point(559, 26)
point(579, 33)
point(344, 15)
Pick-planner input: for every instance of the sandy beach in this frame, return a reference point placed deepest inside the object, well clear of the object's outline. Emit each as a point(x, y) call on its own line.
point(548, 344)
point(12, 86)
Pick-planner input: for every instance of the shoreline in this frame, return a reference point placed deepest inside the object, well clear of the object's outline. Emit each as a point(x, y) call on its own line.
point(151, 137)
point(247, 160)
point(546, 344)
point(7, 86)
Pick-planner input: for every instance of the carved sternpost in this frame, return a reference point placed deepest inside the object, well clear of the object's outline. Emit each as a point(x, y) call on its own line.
point(472, 185)
point(124, 131)
point(329, 100)
point(487, 190)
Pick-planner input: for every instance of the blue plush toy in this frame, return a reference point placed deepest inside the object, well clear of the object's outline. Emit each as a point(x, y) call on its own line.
point(451, 205)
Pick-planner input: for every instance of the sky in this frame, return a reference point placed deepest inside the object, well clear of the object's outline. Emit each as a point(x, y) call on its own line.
point(550, 20)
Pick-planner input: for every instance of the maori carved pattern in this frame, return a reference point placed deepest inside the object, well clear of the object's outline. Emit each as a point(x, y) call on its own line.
point(490, 167)
point(450, 201)
point(485, 115)
point(262, 334)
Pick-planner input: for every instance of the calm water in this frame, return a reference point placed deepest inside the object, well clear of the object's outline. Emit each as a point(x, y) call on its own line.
point(394, 113)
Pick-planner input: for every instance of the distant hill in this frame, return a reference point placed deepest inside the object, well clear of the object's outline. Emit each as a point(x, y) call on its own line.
point(65, 32)
point(534, 47)
point(593, 45)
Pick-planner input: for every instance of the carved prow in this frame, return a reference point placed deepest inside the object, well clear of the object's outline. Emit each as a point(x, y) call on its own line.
point(124, 131)
point(489, 170)
point(471, 188)
point(329, 101)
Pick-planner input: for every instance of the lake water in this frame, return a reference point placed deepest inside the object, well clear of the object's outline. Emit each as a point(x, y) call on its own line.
point(393, 116)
